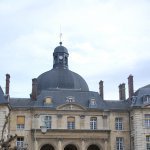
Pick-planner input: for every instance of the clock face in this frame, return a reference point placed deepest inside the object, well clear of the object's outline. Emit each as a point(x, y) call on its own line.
point(61, 57)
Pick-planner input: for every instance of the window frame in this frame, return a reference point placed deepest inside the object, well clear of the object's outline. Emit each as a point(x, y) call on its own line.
point(20, 142)
point(147, 120)
point(71, 124)
point(119, 123)
point(147, 142)
point(20, 126)
point(93, 123)
point(119, 143)
point(47, 121)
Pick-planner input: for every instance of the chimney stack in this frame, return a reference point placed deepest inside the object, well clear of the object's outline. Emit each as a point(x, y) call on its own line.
point(101, 89)
point(130, 86)
point(7, 84)
point(34, 89)
point(122, 92)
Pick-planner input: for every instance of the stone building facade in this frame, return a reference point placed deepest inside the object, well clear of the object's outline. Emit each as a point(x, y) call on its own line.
point(4, 111)
point(63, 114)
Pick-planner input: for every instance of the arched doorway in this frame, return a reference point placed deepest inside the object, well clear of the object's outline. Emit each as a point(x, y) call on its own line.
point(70, 147)
point(93, 147)
point(47, 147)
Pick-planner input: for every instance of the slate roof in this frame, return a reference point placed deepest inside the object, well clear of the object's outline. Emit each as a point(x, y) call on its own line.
point(137, 100)
point(2, 98)
point(82, 98)
point(59, 98)
point(117, 104)
point(61, 78)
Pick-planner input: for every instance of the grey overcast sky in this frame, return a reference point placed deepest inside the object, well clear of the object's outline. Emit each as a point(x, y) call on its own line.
point(107, 40)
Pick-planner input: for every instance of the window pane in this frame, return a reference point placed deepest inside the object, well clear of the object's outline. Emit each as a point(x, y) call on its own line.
point(147, 120)
point(20, 141)
point(47, 121)
point(118, 124)
point(119, 143)
point(71, 122)
point(148, 138)
point(71, 125)
point(93, 123)
point(148, 146)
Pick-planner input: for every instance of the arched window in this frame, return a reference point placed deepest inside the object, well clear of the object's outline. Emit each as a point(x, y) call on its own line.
point(71, 122)
point(93, 123)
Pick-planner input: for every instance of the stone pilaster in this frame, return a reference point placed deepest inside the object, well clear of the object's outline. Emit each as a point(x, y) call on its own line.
point(83, 144)
point(59, 144)
point(35, 145)
point(106, 145)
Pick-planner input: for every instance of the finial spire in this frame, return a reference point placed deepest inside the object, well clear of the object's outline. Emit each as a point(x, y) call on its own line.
point(60, 37)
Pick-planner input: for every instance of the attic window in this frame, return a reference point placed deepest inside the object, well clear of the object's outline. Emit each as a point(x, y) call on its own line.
point(48, 101)
point(92, 103)
point(134, 98)
point(146, 99)
point(70, 99)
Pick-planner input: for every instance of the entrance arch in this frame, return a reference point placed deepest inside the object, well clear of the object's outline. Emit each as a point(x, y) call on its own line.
point(47, 147)
point(70, 147)
point(93, 147)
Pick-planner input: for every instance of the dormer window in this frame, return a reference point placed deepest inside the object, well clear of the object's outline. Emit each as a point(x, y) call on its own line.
point(70, 99)
point(92, 103)
point(48, 101)
point(146, 99)
point(134, 98)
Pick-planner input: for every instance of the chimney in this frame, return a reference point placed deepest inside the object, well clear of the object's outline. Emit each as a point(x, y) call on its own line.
point(122, 92)
point(7, 84)
point(101, 89)
point(34, 89)
point(130, 86)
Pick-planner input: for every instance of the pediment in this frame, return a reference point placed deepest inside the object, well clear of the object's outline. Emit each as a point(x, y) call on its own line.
point(70, 106)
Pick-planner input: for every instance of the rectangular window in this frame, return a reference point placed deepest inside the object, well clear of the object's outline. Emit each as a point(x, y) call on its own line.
point(147, 121)
point(118, 124)
point(148, 142)
point(47, 121)
point(71, 123)
point(93, 123)
point(119, 143)
point(19, 143)
point(20, 122)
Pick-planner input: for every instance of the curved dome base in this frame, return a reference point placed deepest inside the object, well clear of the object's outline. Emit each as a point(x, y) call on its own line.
point(60, 78)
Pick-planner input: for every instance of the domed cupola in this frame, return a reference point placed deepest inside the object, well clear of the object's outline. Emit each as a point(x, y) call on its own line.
point(60, 57)
point(60, 77)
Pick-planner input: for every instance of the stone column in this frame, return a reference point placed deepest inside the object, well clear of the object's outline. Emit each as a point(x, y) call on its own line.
point(59, 144)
